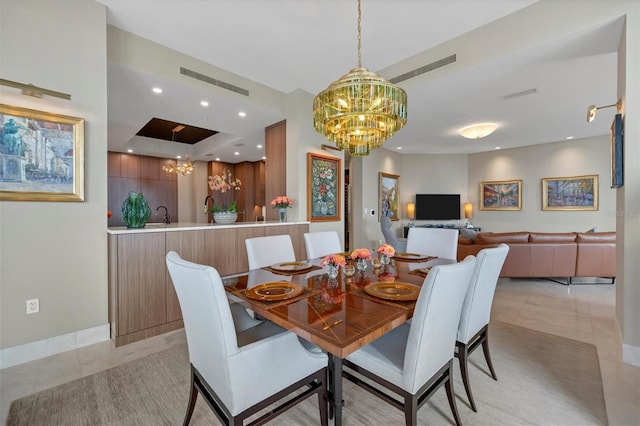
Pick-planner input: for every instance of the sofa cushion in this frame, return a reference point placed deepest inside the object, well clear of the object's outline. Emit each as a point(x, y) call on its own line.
point(596, 237)
point(468, 233)
point(465, 241)
point(502, 237)
point(552, 237)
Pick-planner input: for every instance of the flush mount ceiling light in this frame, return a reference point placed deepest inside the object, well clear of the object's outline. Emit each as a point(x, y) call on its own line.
point(477, 131)
point(591, 111)
point(361, 110)
point(184, 168)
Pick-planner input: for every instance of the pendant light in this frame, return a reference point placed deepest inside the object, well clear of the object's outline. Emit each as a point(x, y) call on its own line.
point(361, 110)
point(184, 168)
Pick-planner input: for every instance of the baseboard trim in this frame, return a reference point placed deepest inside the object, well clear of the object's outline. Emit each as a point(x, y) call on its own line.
point(53, 345)
point(631, 355)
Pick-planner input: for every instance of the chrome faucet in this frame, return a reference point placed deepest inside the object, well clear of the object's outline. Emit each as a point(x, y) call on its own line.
point(167, 218)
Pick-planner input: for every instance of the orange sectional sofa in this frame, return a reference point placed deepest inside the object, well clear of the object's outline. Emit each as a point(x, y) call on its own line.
point(549, 255)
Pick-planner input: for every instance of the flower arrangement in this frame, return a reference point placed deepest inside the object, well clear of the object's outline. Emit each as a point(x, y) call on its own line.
point(224, 192)
point(386, 250)
point(281, 202)
point(361, 253)
point(334, 260)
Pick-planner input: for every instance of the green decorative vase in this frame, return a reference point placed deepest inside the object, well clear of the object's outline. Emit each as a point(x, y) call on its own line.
point(135, 210)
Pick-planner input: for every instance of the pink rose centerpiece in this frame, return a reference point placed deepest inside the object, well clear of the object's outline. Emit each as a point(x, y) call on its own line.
point(361, 255)
point(386, 252)
point(282, 203)
point(333, 262)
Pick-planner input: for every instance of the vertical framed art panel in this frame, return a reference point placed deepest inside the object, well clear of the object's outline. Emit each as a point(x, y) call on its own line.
point(389, 196)
point(323, 188)
point(501, 195)
point(617, 151)
point(41, 156)
point(570, 193)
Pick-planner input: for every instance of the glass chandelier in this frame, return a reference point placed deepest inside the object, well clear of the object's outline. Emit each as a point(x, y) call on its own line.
point(361, 110)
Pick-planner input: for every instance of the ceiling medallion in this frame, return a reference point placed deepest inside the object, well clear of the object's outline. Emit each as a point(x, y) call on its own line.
point(361, 110)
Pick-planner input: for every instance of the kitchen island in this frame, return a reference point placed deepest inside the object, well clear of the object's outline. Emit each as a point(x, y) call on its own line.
point(142, 301)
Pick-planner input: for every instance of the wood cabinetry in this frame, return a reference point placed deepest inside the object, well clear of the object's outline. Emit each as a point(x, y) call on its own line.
point(142, 300)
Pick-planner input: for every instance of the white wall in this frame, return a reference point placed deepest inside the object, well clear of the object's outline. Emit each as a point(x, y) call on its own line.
point(531, 164)
point(56, 251)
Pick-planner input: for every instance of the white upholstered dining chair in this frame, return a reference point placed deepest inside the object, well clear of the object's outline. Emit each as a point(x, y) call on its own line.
point(238, 364)
point(473, 329)
point(414, 360)
point(399, 244)
point(439, 242)
point(266, 251)
point(320, 244)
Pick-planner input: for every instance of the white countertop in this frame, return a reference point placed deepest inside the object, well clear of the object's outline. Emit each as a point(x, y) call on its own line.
point(187, 226)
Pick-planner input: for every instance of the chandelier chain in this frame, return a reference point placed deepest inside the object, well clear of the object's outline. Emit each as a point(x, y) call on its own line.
point(359, 36)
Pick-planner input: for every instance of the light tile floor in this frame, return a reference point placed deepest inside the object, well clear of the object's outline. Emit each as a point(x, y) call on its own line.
point(580, 312)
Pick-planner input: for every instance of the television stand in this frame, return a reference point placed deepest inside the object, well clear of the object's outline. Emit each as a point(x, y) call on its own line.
point(474, 228)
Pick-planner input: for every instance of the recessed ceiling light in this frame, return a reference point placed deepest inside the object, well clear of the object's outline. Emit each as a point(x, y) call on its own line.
point(477, 131)
point(217, 158)
point(178, 157)
point(157, 90)
point(129, 150)
point(399, 147)
point(242, 114)
point(497, 147)
point(264, 158)
point(204, 103)
point(569, 137)
point(258, 146)
point(236, 153)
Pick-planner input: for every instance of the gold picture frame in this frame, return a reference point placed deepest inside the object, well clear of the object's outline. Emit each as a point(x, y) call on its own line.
point(389, 196)
point(323, 188)
point(41, 156)
point(501, 195)
point(570, 193)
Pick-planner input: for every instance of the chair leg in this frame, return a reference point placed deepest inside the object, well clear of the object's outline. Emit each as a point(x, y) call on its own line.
point(448, 385)
point(411, 410)
point(193, 395)
point(323, 404)
point(487, 355)
point(463, 356)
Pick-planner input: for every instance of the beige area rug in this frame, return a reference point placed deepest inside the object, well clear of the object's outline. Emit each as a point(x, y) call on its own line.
point(543, 380)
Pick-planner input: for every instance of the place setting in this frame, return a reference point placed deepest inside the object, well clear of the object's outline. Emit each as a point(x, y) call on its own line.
point(291, 268)
point(412, 257)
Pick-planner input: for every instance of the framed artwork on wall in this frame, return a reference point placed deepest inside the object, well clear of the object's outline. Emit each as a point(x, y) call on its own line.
point(501, 195)
point(617, 151)
point(389, 196)
point(41, 156)
point(570, 193)
point(323, 188)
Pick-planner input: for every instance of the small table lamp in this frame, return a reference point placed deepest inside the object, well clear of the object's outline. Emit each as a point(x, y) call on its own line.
point(411, 213)
point(468, 214)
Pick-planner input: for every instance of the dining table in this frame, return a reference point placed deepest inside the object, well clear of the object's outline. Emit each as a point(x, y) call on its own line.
point(339, 315)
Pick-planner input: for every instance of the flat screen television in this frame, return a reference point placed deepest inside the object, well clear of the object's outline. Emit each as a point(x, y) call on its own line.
point(437, 206)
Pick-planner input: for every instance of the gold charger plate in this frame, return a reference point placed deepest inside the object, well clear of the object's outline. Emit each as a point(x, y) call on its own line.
point(280, 290)
point(395, 290)
point(410, 256)
point(291, 266)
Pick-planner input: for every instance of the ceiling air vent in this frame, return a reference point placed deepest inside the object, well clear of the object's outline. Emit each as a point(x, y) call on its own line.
point(424, 69)
point(213, 81)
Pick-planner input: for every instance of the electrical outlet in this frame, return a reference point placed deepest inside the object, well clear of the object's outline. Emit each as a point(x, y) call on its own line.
point(33, 306)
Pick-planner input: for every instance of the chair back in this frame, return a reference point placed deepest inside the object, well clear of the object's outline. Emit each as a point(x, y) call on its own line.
point(320, 244)
point(389, 237)
point(266, 251)
point(476, 310)
point(438, 242)
point(432, 334)
point(208, 323)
